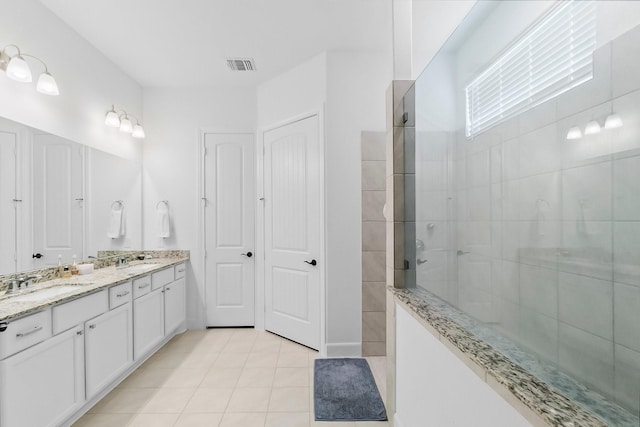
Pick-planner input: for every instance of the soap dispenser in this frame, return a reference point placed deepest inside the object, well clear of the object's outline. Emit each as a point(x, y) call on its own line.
point(74, 266)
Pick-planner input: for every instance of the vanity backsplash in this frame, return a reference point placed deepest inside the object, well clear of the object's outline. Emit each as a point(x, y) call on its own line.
point(104, 259)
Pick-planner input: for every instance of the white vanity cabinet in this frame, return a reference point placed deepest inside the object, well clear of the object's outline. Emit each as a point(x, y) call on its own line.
point(44, 384)
point(56, 363)
point(108, 347)
point(148, 322)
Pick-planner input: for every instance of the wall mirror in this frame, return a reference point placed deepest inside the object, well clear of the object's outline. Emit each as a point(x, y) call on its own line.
point(60, 198)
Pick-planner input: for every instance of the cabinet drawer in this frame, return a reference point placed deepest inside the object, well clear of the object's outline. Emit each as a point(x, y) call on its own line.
point(25, 332)
point(161, 278)
point(179, 271)
point(70, 314)
point(119, 295)
point(141, 286)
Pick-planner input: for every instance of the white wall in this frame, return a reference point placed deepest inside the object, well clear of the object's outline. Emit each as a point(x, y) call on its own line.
point(356, 85)
point(432, 22)
point(298, 91)
point(434, 387)
point(174, 118)
point(89, 83)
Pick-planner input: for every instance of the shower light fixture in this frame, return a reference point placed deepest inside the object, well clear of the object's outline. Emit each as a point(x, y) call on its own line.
point(18, 69)
point(121, 121)
point(574, 133)
point(613, 121)
point(592, 128)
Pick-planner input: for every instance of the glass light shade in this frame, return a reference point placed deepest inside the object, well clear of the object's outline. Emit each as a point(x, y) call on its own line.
point(19, 70)
point(125, 125)
point(112, 119)
point(47, 84)
point(592, 127)
point(613, 121)
point(138, 131)
point(574, 133)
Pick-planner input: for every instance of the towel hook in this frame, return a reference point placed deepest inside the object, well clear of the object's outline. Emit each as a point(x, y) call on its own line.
point(117, 203)
point(165, 202)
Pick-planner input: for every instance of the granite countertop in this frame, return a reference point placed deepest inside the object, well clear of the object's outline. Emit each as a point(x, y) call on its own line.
point(527, 389)
point(11, 305)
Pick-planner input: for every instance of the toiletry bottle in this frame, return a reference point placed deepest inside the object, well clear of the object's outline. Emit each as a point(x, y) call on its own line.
point(60, 266)
point(74, 266)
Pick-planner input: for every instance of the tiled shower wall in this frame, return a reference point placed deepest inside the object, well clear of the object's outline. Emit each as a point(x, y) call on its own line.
point(373, 244)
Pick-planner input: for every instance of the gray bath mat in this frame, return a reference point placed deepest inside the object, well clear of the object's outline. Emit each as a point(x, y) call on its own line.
point(344, 390)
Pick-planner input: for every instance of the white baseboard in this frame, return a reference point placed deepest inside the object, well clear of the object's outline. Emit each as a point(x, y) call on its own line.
point(396, 421)
point(344, 349)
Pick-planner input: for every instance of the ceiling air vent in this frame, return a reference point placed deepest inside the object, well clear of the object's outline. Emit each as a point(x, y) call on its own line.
point(241, 64)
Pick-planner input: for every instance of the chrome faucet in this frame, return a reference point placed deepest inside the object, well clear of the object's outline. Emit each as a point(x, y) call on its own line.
point(122, 262)
point(20, 283)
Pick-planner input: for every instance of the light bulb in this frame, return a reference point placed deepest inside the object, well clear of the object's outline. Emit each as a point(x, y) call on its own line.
point(613, 121)
point(112, 119)
point(574, 133)
point(47, 84)
point(138, 131)
point(592, 127)
point(19, 70)
point(125, 125)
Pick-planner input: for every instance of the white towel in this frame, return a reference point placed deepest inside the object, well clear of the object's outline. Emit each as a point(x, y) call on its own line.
point(116, 221)
point(164, 226)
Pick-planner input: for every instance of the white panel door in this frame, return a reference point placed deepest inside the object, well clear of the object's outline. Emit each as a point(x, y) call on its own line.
point(57, 200)
point(292, 231)
point(8, 224)
point(229, 192)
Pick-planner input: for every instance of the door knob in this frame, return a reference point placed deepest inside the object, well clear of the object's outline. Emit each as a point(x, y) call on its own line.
point(38, 255)
point(248, 254)
point(312, 262)
point(421, 261)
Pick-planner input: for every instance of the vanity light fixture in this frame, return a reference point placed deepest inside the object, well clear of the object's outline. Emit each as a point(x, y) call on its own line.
point(125, 124)
point(592, 127)
point(574, 133)
point(121, 120)
point(613, 121)
point(18, 69)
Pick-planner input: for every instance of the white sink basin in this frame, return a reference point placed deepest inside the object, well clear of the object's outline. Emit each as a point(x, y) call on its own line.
point(140, 268)
point(46, 293)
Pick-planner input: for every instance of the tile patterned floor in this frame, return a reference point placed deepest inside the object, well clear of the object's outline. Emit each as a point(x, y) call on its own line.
point(221, 378)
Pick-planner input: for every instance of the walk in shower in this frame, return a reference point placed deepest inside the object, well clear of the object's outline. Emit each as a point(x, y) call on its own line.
point(522, 192)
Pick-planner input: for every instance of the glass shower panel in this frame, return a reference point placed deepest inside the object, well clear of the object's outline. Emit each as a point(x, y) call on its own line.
point(535, 235)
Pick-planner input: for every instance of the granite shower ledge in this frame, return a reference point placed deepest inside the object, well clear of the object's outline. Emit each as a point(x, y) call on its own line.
point(541, 404)
point(101, 278)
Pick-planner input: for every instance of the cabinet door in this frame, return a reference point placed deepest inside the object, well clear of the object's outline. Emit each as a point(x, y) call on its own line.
point(43, 385)
point(174, 305)
point(108, 347)
point(148, 322)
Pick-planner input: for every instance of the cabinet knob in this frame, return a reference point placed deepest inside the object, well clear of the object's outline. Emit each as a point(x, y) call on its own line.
point(92, 326)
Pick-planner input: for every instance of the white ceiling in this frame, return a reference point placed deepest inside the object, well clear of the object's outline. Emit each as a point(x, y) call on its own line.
point(163, 43)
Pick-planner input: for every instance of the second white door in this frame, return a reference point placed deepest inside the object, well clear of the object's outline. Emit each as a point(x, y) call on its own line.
point(292, 231)
point(229, 193)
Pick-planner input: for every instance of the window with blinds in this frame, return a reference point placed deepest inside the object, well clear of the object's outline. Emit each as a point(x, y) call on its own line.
point(553, 57)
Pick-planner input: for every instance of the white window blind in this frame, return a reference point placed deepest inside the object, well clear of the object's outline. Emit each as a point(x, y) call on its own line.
point(553, 57)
